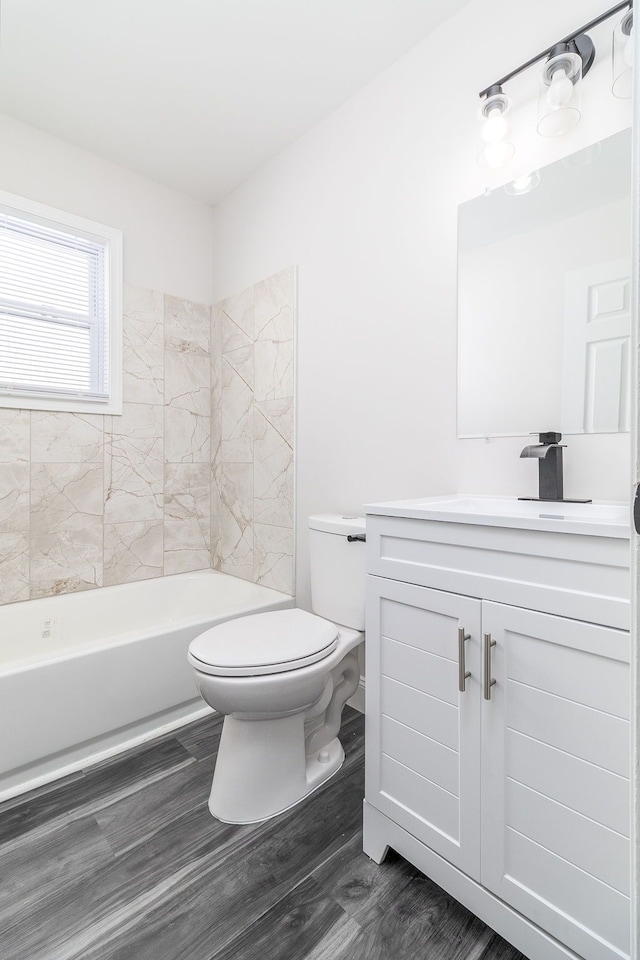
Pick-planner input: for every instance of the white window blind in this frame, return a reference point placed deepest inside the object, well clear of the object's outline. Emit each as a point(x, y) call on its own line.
point(56, 317)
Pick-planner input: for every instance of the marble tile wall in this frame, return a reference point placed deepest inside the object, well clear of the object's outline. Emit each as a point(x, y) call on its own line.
point(252, 433)
point(196, 472)
point(88, 500)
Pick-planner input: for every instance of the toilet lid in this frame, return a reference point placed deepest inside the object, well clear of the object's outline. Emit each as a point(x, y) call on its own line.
point(263, 643)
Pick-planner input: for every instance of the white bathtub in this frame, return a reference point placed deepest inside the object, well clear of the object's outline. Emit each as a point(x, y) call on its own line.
point(85, 675)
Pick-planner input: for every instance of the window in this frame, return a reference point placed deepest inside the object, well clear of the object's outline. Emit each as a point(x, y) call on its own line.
point(60, 310)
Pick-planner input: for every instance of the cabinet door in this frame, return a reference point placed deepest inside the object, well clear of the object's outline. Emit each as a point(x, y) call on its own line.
point(423, 732)
point(555, 776)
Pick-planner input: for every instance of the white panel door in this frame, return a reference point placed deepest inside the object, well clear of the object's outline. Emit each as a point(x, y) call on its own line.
point(596, 349)
point(423, 732)
point(555, 776)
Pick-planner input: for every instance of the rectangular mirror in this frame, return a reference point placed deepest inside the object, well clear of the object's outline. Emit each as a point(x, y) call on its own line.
point(544, 299)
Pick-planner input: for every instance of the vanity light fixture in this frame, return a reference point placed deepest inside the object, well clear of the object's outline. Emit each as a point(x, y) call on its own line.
point(560, 91)
point(496, 149)
point(566, 63)
point(623, 57)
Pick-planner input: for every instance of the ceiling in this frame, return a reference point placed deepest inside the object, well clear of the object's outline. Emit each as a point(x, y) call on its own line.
point(197, 94)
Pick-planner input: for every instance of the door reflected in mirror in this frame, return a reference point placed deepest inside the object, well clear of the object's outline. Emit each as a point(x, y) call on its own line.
point(544, 294)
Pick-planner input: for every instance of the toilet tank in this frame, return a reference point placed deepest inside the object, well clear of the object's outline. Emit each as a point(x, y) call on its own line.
point(337, 568)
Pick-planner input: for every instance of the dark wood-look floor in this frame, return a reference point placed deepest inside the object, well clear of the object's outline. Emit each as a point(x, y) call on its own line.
point(124, 862)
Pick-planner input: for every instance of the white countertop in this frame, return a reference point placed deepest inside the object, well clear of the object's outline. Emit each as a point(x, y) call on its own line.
point(597, 519)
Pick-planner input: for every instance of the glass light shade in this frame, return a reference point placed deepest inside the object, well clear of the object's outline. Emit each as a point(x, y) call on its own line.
point(560, 95)
point(622, 86)
point(524, 184)
point(495, 150)
point(496, 155)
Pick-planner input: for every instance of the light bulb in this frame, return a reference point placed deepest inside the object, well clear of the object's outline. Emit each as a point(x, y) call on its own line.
point(497, 154)
point(560, 89)
point(493, 113)
point(494, 128)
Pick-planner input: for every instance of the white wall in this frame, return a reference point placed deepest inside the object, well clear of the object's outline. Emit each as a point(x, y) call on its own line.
point(366, 205)
point(167, 235)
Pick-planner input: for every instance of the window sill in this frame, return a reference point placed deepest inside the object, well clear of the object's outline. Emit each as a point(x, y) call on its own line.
point(101, 408)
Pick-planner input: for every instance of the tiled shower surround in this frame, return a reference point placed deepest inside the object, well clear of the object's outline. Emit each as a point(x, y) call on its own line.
point(197, 472)
point(252, 432)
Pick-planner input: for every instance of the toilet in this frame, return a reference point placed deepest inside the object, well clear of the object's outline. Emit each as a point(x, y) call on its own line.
point(281, 680)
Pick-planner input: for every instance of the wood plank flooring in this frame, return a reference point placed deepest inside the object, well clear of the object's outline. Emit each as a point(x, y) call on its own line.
point(124, 862)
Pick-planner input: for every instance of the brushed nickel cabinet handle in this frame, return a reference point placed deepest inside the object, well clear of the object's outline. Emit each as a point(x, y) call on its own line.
point(463, 673)
point(488, 682)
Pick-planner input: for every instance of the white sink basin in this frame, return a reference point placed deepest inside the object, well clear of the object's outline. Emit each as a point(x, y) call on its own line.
point(596, 519)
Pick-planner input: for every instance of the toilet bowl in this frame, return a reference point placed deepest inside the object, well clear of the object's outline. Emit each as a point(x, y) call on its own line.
point(281, 679)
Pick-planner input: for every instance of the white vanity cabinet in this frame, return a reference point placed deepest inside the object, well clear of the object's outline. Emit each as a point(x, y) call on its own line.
point(425, 771)
point(509, 786)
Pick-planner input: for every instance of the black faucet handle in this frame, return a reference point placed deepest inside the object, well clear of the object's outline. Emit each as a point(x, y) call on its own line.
point(550, 436)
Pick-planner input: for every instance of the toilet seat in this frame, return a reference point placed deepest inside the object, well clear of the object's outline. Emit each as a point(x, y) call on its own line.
point(264, 643)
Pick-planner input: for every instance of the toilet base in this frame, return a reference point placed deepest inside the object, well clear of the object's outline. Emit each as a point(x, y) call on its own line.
point(261, 769)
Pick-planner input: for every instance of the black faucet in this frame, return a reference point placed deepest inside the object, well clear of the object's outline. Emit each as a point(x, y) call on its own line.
point(549, 455)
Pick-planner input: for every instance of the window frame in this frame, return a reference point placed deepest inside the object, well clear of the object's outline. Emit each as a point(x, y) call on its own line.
point(112, 239)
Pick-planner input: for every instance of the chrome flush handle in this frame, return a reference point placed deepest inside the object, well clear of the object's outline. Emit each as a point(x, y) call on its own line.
point(488, 682)
point(463, 673)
